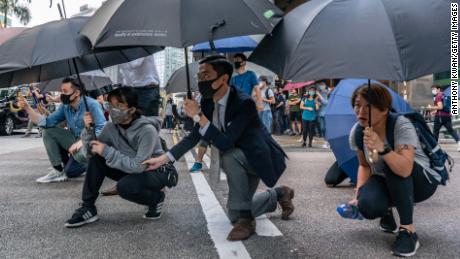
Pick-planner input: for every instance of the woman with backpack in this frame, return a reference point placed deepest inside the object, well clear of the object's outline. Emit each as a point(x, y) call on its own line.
point(399, 177)
point(309, 106)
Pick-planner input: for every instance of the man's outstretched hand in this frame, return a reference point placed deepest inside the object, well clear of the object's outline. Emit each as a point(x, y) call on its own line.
point(155, 162)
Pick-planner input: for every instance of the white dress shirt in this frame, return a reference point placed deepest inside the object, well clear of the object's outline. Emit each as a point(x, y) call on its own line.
point(140, 72)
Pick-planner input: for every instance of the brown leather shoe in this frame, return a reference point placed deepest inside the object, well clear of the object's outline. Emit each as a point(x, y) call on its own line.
point(110, 192)
point(286, 202)
point(242, 230)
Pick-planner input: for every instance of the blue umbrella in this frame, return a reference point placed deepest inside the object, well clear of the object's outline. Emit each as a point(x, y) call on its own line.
point(228, 45)
point(340, 118)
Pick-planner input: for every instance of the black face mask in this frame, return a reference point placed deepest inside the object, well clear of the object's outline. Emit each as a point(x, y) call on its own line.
point(65, 98)
point(205, 88)
point(237, 65)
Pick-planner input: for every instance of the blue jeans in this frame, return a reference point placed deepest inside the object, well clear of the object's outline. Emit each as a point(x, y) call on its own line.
point(322, 125)
point(266, 117)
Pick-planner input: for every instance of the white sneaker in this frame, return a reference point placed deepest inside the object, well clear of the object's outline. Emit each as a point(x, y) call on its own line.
point(53, 176)
point(300, 139)
point(458, 148)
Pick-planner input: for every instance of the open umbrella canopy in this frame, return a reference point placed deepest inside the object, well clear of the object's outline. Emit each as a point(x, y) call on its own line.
point(178, 23)
point(228, 45)
point(47, 51)
point(177, 82)
point(8, 33)
point(92, 80)
point(340, 118)
point(379, 39)
point(290, 86)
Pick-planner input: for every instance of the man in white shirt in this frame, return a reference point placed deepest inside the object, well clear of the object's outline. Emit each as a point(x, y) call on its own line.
point(142, 74)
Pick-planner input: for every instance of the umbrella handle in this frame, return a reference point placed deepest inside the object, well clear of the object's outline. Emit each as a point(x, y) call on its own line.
point(211, 35)
point(91, 128)
point(373, 154)
point(187, 74)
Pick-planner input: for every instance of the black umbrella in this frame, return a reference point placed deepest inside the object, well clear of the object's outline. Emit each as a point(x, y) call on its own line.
point(91, 80)
point(178, 79)
point(379, 39)
point(56, 49)
point(178, 23)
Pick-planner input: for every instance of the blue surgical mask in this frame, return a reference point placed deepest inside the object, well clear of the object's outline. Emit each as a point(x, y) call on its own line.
point(311, 93)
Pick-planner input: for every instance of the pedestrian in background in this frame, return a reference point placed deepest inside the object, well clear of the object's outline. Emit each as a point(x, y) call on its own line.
point(268, 98)
point(278, 112)
point(309, 107)
point(323, 98)
point(142, 75)
point(244, 80)
point(442, 116)
point(295, 116)
point(169, 115)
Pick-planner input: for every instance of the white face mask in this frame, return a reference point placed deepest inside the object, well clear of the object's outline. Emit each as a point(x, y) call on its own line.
point(434, 91)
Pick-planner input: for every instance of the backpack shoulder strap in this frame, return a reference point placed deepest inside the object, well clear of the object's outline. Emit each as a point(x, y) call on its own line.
point(390, 131)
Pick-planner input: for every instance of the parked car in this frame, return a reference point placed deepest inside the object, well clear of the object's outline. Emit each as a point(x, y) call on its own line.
point(11, 119)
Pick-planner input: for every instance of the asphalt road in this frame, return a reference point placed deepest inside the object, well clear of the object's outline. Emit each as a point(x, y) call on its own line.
point(32, 216)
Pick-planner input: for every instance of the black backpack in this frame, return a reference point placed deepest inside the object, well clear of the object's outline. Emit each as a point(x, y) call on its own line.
point(438, 157)
point(446, 103)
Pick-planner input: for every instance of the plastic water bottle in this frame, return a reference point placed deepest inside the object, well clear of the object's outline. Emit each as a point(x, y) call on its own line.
point(349, 211)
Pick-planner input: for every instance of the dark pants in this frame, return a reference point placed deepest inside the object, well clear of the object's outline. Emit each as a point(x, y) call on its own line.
point(141, 188)
point(169, 121)
point(148, 99)
point(278, 126)
point(308, 128)
point(379, 193)
point(334, 175)
point(445, 121)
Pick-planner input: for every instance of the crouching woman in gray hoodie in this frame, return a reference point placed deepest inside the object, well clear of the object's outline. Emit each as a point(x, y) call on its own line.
point(122, 146)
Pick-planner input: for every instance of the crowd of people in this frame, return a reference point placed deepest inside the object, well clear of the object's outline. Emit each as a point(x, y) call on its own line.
point(235, 115)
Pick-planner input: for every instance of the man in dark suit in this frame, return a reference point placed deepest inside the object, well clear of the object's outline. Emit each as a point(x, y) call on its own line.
point(228, 120)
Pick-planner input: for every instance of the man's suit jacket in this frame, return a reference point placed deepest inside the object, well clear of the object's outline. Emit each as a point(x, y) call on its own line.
point(243, 130)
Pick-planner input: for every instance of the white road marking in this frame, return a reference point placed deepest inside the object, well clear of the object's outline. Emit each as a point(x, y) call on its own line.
point(218, 224)
point(264, 227)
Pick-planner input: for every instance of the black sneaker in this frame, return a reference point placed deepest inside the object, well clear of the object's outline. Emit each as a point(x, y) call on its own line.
point(82, 216)
point(388, 223)
point(406, 243)
point(154, 212)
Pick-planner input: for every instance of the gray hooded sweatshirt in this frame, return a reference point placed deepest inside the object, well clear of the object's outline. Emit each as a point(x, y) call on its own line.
point(143, 143)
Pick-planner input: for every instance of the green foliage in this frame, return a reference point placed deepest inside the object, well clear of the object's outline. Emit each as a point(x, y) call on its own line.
point(17, 8)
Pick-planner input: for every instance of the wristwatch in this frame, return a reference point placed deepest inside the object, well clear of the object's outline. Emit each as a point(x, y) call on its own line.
point(386, 149)
point(197, 117)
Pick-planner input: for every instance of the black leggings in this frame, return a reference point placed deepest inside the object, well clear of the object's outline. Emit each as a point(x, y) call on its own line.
point(379, 193)
point(445, 121)
point(308, 129)
point(143, 188)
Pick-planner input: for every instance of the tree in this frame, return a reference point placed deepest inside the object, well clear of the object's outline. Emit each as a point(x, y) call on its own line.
point(19, 10)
